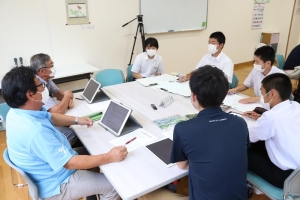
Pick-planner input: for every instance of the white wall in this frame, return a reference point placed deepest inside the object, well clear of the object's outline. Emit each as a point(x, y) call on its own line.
point(295, 31)
point(29, 30)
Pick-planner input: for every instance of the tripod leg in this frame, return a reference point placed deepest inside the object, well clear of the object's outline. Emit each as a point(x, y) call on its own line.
point(137, 29)
point(142, 36)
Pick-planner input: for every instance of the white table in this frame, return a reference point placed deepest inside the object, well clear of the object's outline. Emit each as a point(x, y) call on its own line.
point(141, 172)
point(74, 72)
point(140, 98)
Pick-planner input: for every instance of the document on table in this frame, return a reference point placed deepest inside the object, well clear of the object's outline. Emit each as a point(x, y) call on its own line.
point(162, 149)
point(182, 89)
point(233, 101)
point(101, 106)
point(250, 122)
point(142, 139)
point(157, 80)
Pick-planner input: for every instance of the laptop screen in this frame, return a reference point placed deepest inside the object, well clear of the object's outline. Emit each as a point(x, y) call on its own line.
point(91, 90)
point(115, 117)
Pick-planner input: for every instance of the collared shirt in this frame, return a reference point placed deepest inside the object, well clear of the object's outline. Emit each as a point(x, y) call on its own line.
point(222, 61)
point(255, 78)
point(215, 145)
point(279, 128)
point(148, 67)
point(36, 147)
point(53, 89)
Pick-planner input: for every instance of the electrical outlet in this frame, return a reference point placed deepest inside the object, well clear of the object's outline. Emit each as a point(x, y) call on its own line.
point(87, 26)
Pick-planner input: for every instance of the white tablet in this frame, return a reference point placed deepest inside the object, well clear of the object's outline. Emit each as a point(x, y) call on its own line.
point(115, 118)
point(90, 90)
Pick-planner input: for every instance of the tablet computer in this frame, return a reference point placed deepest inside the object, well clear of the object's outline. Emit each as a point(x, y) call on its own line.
point(115, 118)
point(90, 90)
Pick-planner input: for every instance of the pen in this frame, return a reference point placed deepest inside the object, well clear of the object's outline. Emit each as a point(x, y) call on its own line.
point(95, 115)
point(130, 141)
point(78, 98)
point(152, 84)
point(163, 89)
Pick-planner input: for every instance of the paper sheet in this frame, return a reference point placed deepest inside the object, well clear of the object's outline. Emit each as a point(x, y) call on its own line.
point(142, 139)
point(182, 89)
point(250, 122)
point(169, 133)
point(100, 106)
point(165, 78)
point(233, 101)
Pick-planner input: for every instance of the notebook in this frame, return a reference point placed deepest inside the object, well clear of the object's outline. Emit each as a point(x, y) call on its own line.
point(117, 119)
point(92, 92)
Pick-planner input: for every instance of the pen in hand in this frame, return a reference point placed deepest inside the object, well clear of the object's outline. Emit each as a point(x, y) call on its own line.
point(130, 141)
point(79, 98)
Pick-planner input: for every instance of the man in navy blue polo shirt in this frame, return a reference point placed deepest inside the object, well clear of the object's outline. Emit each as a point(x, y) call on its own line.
point(212, 146)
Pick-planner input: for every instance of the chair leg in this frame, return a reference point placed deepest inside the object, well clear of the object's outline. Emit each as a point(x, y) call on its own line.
point(12, 180)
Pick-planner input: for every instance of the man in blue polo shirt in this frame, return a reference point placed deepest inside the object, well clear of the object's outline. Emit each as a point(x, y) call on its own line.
point(212, 146)
point(39, 149)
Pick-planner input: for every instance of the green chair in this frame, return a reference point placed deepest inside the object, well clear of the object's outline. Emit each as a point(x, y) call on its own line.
point(291, 188)
point(280, 61)
point(234, 83)
point(109, 77)
point(129, 74)
point(4, 108)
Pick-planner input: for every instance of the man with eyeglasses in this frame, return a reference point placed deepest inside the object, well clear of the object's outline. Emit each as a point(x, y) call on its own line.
point(45, 69)
point(41, 151)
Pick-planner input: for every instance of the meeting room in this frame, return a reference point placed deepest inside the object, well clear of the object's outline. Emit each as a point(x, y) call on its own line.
point(149, 100)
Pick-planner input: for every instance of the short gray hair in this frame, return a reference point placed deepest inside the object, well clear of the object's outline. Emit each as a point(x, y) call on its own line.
point(38, 61)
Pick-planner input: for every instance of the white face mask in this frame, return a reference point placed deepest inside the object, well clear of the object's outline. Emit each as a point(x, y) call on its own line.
point(151, 52)
point(258, 68)
point(212, 48)
point(53, 72)
point(45, 95)
point(263, 104)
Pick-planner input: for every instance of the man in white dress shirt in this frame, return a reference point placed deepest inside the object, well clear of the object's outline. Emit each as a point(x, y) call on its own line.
point(264, 58)
point(148, 63)
point(274, 151)
point(215, 57)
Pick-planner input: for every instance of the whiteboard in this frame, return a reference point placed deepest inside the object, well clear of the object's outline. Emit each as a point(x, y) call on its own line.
point(161, 16)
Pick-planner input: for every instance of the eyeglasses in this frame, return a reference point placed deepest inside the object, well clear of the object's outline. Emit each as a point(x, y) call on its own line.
point(42, 84)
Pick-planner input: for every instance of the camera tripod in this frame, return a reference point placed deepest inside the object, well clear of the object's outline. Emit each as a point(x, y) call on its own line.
point(140, 27)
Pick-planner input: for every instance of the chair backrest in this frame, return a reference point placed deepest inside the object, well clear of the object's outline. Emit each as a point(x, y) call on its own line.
point(109, 77)
point(129, 74)
point(235, 81)
point(4, 108)
point(280, 61)
point(33, 191)
point(292, 184)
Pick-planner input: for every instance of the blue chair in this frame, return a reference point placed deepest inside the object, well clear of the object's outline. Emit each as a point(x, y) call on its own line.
point(291, 189)
point(129, 74)
point(280, 61)
point(33, 191)
point(109, 77)
point(234, 83)
point(4, 108)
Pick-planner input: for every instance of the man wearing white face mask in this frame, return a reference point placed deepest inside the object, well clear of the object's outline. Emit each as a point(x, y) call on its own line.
point(264, 58)
point(43, 64)
point(275, 136)
point(215, 57)
point(148, 63)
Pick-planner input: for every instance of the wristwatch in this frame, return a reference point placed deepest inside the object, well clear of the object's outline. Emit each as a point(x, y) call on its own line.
point(76, 121)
